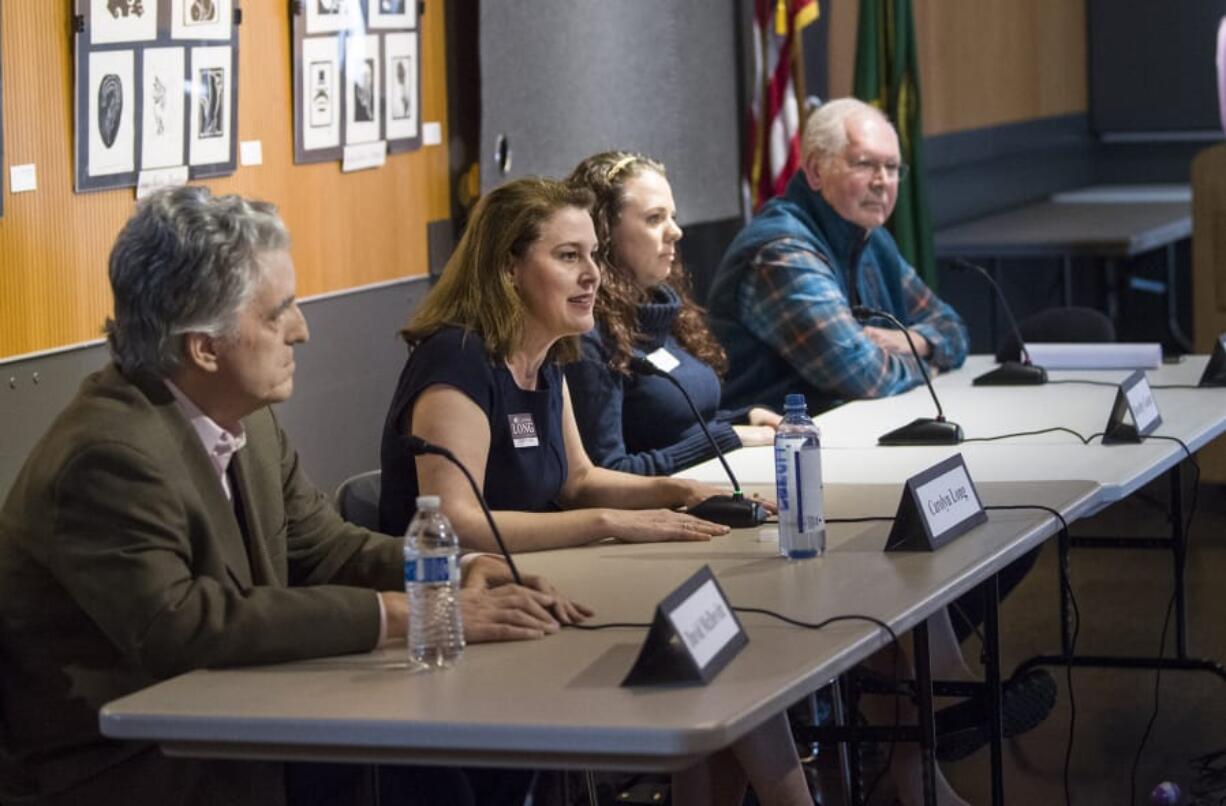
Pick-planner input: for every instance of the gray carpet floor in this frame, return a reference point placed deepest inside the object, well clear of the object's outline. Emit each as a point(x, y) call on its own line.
point(1123, 596)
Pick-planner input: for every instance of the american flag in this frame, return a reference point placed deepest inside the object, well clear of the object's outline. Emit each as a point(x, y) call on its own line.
point(773, 141)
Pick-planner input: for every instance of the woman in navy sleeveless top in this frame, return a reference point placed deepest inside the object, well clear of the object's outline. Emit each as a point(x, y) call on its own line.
point(631, 421)
point(484, 381)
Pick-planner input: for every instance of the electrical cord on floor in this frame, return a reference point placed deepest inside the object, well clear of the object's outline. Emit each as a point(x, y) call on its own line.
point(1068, 667)
point(1166, 621)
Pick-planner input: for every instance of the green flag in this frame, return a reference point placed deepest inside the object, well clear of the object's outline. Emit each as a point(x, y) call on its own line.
point(887, 76)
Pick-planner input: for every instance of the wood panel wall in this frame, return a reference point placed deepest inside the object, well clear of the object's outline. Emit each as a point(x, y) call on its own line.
point(982, 62)
point(348, 230)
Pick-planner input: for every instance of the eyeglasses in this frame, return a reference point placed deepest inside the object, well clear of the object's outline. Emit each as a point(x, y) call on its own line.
point(894, 171)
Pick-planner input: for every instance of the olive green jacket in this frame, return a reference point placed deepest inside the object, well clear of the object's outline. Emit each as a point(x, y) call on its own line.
point(122, 563)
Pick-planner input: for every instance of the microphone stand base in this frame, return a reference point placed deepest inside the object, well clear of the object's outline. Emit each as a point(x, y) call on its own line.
point(924, 431)
point(1013, 373)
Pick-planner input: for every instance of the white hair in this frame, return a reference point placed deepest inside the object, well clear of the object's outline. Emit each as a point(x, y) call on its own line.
point(826, 129)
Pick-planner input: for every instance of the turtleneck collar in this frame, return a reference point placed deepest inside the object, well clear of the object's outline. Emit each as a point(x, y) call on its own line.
point(657, 314)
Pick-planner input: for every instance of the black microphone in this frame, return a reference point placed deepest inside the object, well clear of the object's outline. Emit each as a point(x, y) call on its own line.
point(924, 430)
point(418, 446)
point(1010, 373)
point(735, 511)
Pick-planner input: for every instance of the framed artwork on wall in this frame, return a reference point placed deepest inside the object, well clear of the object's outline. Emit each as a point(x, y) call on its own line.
point(357, 80)
point(156, 89)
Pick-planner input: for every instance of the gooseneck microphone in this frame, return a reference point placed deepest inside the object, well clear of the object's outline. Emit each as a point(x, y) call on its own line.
point(1009, 373)
point(924, 430)
point(418, 446)
point(735, 511)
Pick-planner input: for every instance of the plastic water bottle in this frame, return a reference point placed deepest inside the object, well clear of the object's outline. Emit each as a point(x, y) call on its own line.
point(432, 582)
point(798, 482)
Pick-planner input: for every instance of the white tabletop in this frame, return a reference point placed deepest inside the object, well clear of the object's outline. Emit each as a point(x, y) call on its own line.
point(557, 702)
point(850, 453)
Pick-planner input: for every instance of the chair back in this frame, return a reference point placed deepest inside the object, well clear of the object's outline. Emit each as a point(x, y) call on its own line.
point(1068, 325)
point(357, 499)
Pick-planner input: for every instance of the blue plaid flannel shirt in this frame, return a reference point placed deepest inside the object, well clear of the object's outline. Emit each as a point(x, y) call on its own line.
point(792, 300)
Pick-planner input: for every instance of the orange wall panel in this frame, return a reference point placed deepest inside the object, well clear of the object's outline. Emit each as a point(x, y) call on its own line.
point(348, 230)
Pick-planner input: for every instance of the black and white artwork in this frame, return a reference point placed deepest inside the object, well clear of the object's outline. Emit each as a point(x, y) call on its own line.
point(362, 88)
point(331, 16)
point(113, 21)
point(210, 106)
point(392, 14)
point(112, 107)
point(162, 101)
point(401, 84)
point(321, 124)
point(201, 19)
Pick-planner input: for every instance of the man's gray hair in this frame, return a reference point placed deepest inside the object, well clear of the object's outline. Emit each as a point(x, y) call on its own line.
point(826, 129)
point(185, 262)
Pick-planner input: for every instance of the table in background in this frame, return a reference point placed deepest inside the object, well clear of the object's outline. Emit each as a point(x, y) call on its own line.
point(1110, 223)
point(556, 703)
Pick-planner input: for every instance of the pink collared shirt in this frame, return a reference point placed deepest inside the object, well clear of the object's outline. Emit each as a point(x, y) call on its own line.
point(221, 444)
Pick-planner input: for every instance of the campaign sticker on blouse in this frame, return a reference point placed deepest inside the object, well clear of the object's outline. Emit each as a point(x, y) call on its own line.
point(663, 360)
point(523, 430)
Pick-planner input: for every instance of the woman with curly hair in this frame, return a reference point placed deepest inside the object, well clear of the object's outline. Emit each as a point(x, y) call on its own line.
point(633, 422)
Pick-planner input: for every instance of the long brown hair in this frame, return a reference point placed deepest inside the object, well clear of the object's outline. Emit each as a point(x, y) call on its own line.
point(475, 291)
point(618, 298)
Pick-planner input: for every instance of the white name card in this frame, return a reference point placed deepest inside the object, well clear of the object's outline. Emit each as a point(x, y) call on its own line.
point(694, 635)
point(937, 505)
point(1135, 398)
point(156, 179)
point(364, 155)
point(948, 500)
point(1095, 355)
point(23, 178)
point(663, 360)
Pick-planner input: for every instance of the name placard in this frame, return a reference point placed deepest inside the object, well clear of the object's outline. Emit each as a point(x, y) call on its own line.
point(1134, 399)
point(1215, 370)
point(937, 505)
point(694, 634)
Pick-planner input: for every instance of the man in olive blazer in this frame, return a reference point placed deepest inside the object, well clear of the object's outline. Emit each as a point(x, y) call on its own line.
point(164, 522)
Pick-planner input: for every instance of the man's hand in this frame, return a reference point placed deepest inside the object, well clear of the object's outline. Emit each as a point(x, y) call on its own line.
point(893, 341)
point(488, 572)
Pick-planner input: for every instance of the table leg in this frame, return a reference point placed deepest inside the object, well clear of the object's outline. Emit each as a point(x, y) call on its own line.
point(927, 720)
point(1172, 306)
point(1179, 549)
point(1066, 271)
point(991, 653)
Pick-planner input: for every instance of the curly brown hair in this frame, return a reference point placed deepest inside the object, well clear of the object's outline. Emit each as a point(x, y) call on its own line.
point(618, 298)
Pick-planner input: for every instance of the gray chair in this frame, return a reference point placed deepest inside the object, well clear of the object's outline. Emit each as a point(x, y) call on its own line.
point(1072, 324)
point(357, 499)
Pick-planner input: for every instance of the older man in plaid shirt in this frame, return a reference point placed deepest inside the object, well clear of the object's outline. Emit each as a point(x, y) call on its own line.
point(782, 297)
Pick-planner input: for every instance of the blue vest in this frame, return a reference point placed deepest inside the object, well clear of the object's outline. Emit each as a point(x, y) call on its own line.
point(756, 373)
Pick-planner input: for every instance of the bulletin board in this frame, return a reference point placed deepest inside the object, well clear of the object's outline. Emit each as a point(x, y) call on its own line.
point(347, 230)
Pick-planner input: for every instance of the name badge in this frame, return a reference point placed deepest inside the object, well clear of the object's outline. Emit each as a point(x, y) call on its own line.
point(694, 635)
point(523, 430)
point(1136, 399)
point(663, 360)
point(937, 505)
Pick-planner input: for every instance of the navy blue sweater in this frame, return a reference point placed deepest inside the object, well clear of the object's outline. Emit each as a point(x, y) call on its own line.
point(642, 424)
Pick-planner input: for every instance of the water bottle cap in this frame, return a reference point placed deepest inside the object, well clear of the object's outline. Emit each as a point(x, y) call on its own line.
point(428, 502)
point(794, 401)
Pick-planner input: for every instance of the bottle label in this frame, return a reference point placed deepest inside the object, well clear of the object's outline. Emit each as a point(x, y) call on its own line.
point(785, 482)
point(440, 568)
point(808, 475)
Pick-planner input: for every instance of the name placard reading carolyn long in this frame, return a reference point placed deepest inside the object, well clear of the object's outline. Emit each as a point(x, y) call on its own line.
point(937, 505)
point(1134, 397)
point(694, 635)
